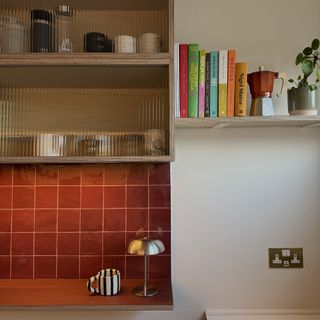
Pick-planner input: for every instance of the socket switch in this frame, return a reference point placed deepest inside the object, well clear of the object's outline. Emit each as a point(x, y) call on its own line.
point(285, 258)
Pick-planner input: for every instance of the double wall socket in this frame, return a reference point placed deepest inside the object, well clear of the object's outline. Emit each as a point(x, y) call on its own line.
point(286, 258)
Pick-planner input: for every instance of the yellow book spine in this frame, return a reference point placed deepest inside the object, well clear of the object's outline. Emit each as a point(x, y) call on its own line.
point(240, 105)
point(223, 99)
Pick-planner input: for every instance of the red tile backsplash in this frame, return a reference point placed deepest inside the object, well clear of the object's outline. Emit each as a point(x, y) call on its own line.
point(69, 221)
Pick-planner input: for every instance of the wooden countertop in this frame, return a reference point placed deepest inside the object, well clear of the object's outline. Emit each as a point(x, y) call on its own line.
point(73, 295)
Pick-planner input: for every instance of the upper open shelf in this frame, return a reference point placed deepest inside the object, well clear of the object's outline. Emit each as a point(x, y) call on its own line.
point(84, 59)
point(249, 122)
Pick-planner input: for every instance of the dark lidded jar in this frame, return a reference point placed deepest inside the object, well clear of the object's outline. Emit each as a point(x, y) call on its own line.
point(41, 31)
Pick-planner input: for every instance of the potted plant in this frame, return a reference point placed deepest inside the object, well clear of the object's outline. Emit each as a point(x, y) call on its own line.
point(304, 97)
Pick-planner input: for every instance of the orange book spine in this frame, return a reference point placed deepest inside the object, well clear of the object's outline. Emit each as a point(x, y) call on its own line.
point(240, 106)
point(231, 82)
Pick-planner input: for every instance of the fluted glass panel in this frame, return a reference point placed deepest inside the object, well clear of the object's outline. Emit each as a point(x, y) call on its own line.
point(84, 112)
point(46, 26)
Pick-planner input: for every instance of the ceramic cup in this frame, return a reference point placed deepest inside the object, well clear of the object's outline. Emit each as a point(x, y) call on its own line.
point(107, 282)
point(155, 142)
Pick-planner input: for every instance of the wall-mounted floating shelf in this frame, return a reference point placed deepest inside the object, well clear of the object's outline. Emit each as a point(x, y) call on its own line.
point(27, 295)
point(249, 122)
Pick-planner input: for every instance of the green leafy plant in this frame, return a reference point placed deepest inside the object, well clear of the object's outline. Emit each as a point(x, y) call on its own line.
point(309, 59)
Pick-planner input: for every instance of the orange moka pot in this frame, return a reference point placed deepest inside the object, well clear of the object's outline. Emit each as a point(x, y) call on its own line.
point(261, 88)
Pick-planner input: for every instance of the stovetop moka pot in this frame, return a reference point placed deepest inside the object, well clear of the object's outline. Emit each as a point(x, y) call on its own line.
point(261, 88)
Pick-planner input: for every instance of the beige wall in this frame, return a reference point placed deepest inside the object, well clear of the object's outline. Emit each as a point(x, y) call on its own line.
point(237, 192)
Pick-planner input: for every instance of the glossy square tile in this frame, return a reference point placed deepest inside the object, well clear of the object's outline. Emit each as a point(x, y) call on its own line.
point(90, 266)
point(92, 174)
point(5, 220)
point(68, 267)
point(5, 197)
point(46, 197)
point(114, 197)
point(5, 267)
point(92, 197)
point(135, 267)
point(159, 196)
point(115, 262)
point(69, 197)
point(159, 173)
point(45, 244)
point(22, 220)
point(114, 219)
point(47, 175)
point(68, 244)
point(68, 220)
point(5, 243)
point(91, 244)
point(22, 267)
point(160, 220)
point(70, 175)
point(160, 267)
point(6, 174)
point(137, 220)
point(24, 174)
point(115, 174)
point(45, 267)
point(114, 243)
point(137, 174)
point(22, 244)
point(45, 220)
point(23, 197)
point(91, 219)
point(137, 197)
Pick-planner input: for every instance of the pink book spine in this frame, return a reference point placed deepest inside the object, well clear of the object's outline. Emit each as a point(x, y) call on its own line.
point(202, 82)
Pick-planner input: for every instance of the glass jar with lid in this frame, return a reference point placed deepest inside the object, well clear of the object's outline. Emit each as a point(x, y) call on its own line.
point(12, 35)
point(64, 16)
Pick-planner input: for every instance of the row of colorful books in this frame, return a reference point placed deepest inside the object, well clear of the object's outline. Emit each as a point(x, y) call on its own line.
point(209, 84)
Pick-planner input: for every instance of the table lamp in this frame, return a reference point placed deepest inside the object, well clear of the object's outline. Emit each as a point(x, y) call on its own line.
point(145, 247)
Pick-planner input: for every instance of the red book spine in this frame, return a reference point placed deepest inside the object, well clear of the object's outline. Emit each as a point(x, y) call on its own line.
point(183, 60)
point(231, 81)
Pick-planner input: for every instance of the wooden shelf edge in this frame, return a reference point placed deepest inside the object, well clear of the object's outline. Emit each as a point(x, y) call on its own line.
point(89, 308)
point(237, 122)
point(83, 59)
point(5, 160)
point(73, 295)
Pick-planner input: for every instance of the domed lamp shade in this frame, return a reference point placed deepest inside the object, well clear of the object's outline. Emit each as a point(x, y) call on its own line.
point(145, 247)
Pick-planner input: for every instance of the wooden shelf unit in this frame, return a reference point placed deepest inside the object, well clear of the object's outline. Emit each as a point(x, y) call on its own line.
point(117, 71)
point(55, 295)
point(249, 122)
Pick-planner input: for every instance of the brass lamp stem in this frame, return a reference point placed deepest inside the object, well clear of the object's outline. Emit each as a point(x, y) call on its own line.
point(145, 287)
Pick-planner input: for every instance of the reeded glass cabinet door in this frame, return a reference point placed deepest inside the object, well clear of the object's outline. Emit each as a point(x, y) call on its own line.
point(86, 81)
point(84, 112)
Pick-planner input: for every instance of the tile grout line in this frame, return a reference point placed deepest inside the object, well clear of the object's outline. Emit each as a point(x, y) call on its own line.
point(57, 220)
point(148, 231)
point(80, 224)
point(103, 221)
point(125, 224)
point(34, 220)
point(11, 222)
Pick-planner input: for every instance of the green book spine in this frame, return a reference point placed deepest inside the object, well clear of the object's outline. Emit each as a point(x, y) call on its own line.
point(214, 80)
point(193, 80)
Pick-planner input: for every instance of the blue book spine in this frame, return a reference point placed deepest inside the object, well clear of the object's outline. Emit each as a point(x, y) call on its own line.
point(214, 79)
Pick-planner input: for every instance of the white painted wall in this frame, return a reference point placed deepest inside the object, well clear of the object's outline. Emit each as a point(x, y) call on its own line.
point(237, 192)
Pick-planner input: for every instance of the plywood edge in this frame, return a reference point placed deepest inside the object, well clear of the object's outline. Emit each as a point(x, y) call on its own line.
point(276, 121)
point(83, 59)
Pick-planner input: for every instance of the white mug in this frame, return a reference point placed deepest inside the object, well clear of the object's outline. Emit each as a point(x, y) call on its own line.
point(108, 282)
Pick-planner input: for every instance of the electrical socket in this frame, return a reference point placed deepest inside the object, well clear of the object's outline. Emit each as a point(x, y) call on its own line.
point(285, 258)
